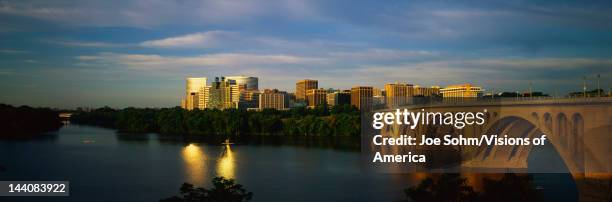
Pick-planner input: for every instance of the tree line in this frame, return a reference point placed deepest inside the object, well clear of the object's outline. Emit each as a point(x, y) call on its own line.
point(24, 120)
point(453, 187)
point(342, 120)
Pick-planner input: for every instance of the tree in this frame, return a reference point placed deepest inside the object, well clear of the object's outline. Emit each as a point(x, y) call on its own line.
point(511, 187)
point(451, 187)
point(222, 190)
point(448, 187)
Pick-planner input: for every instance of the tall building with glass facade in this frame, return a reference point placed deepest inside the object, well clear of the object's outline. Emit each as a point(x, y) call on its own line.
point(193, 98)
point(251, 83)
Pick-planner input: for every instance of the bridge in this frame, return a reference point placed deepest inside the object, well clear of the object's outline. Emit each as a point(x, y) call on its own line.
point(579, 129)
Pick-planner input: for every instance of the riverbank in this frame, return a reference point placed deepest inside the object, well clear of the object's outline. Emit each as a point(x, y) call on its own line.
point(343, 120)
point(25, 122)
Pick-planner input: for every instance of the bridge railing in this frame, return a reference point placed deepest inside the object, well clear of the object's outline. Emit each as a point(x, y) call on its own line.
point(431, 101)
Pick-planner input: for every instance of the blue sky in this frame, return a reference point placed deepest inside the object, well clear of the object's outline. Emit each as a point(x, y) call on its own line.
point(137, 53)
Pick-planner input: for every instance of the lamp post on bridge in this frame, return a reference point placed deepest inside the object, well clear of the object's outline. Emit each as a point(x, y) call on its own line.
point(598, 91)
point(584, 87)
point(517, 95)
point(531, 90)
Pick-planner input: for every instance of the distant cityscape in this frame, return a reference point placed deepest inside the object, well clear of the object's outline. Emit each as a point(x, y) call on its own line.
point(242, 92)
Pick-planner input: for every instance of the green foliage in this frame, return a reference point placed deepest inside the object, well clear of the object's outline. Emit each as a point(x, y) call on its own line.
point(24, 120)
point(341, 120)
point(451, 187)
point(511, 187)
point(222, 190)
point(104, 117)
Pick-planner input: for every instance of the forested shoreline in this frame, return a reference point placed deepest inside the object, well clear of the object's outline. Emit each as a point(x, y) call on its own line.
point(26, 121)
point(343, 120)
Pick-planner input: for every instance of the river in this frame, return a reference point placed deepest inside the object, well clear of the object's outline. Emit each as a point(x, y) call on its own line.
point(102, 165)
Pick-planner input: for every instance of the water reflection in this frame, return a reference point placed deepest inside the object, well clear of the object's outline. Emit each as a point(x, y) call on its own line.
point(226, 163)
point(195, 164)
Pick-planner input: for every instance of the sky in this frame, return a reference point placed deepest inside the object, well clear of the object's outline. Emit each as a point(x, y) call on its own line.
point(120, 53)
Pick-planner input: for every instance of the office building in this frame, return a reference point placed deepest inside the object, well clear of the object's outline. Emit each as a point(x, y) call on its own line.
point(249, 99)
point(273, 99)
point(426, 92)
point(251, 83)
point(193, 87)
point(377, 92)
point(316, 97)
point(361, 97)
point(461, 91)
point(191, 101)
point(398, 94)
point(222, 94)
point(302, 86)
point(339, 98)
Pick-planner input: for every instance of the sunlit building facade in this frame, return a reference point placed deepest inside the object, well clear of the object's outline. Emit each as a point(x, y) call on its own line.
point(426, 92)
point(398, 94)
point(302, 86)
point(222, 94)
point(361, 97)
point(249, 99)
point(193, 93)
point(251, 83)
point(377, 92)
point(338, 98)
point(273, 99)
point(316, 97)
point(462, 91)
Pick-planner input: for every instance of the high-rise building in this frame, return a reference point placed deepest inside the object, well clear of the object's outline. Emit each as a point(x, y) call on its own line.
point(361, 97)
point(251, 83)
point(339, 98)
point(461, 91)
point(222, 94)
point(195, 84)
point(216, 95)
point(292, 102)
point(249, 99)
point(316, 97)
point(193, 88)
point(203, 97)
point(426, 92)
point(191, 102)
point(273, 99)
point(398, 94)
point(377, 92)
point(302, 86)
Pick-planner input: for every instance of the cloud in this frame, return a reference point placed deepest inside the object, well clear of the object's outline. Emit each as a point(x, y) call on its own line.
point(200, 39)
point(6, 72)
point(220, 60)
point(136, 13)
point(384, 54)
point(12, 51)
point(499, 73)
point(93, 44)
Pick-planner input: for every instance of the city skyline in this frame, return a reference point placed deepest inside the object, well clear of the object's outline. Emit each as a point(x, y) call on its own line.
point(91, 53)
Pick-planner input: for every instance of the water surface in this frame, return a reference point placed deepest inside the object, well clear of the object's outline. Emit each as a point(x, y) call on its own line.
point(102, 165)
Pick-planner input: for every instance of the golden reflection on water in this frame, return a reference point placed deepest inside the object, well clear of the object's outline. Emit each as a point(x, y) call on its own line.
point(195, 164)
point(226, 163)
